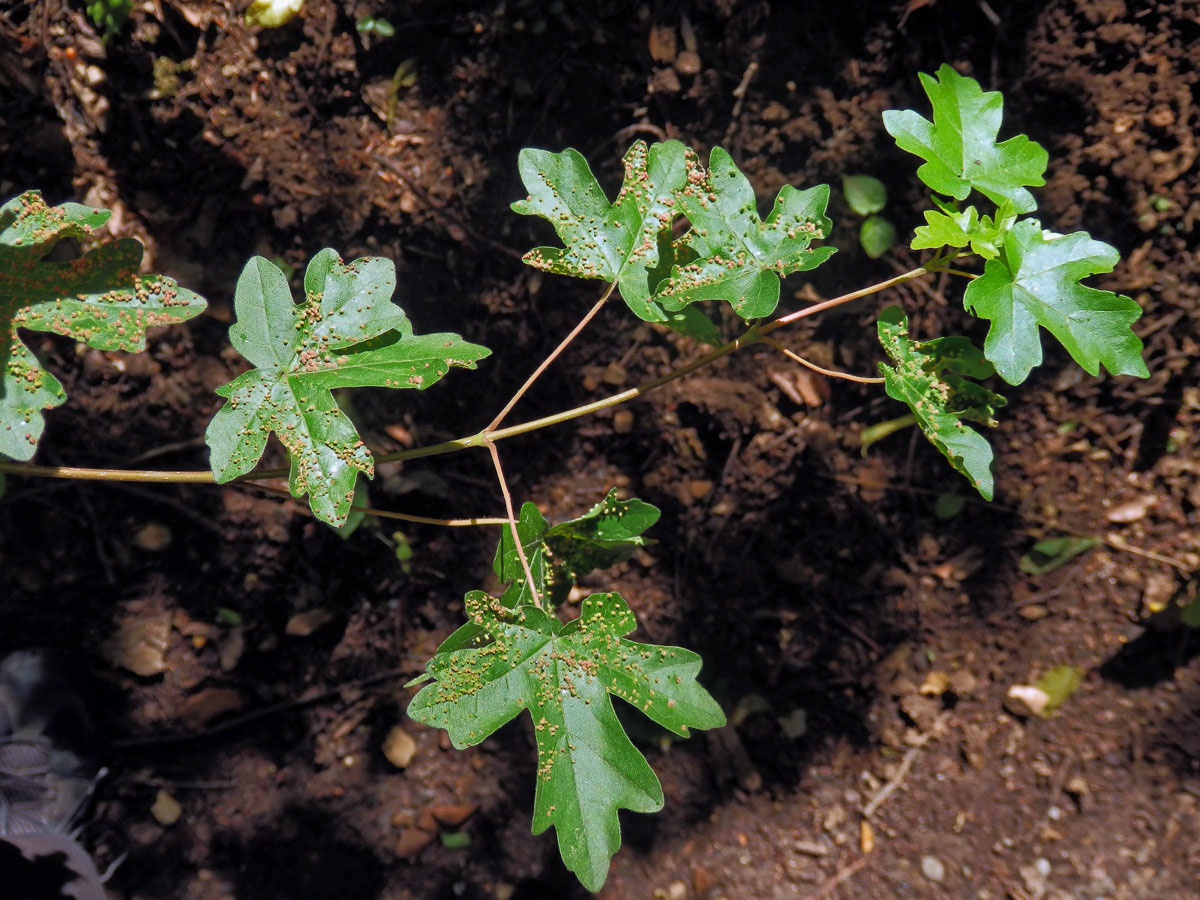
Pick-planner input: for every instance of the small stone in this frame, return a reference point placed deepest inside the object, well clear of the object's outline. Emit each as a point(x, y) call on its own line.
point(233, 645)
point(503, 890)
point(1033, 612)
point(166, 809)
point(1131, 510)
point(153, 537)
point(932, 868)
point(614, 374)
point(412, 841)
point(452, 814)
point(835, 817)
point(811, 848)
point(775, 112)
point(140, 644)
point(399, 747)
point(302, 624)
point(688, 63)
point(665, 81)
point(935, 683)
point(622, 421)
point(700, 487)
point(702, 880)
point(1026, 700)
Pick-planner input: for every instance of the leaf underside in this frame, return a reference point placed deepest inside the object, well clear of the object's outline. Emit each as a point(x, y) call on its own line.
point(98, 299)
point(931, 378)
point(346, 333)
point(1036, 282)
point(587, 768)
point(959, 146)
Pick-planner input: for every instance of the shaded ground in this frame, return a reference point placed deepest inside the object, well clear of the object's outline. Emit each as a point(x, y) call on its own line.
point(817, 584)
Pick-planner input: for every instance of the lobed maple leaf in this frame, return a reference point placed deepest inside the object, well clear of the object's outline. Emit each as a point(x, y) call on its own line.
point(731, 254)
point(564, 674)
point(1036, 282)
point(960, 147)
point(628, 240)
point(931, 378)
point(949, 227)
point(346, 333)
point(98, 299)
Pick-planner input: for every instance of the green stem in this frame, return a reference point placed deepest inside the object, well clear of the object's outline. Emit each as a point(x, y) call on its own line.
point(486, 437)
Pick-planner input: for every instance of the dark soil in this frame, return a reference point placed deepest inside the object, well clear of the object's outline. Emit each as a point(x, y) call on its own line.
point(819, 586)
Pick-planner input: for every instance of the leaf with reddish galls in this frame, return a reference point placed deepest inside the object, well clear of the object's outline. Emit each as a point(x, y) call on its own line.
point(587, 769)
point(627, 241)
point(932, 378)
point(731, 254)
point(347, 333)
point(98, 299)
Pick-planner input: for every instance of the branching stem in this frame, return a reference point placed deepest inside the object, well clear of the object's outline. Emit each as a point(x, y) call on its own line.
point(487, 438)
point(554, 354)
point(795, 357)
point(512, 525)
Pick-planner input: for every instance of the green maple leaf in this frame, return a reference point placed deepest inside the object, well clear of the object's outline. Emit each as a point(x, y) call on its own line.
point(931, 377)
point(99, 299)
point(731, 254)
point(347, 333)
point(949, 227)
point(628, 240)
point(587, 769)
point(559, 555)
point(960, 147)
point(1036, 281)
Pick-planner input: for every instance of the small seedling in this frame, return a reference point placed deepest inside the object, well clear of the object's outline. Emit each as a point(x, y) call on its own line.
point(109, 15)
point(378, 27)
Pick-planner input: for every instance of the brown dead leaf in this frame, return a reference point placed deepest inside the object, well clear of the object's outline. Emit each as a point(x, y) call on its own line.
point(662, 43)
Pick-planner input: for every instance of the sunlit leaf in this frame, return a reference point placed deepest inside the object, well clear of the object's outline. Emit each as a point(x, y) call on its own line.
point(588, 769)
point(959, 145)
point(1036, 282)
point(98, 299)
point(346, 333)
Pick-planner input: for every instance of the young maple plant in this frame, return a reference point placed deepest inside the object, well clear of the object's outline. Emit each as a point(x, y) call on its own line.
point(516, 652)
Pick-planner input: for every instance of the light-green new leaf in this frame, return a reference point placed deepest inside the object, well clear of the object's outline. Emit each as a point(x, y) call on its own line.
point(99, 299)
point(731, 254)
point(623, 241)
point(960, 147)
point(949, 227)
point(588, 769)
point(930, 376)
point(347, 333)
point(1036, 281)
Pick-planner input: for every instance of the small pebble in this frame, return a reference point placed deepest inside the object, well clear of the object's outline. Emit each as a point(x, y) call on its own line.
point(302, 624)
point(166, 809)
point(153, 537)
point(932, 868)
point(399, 747)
